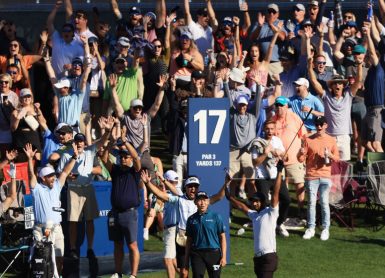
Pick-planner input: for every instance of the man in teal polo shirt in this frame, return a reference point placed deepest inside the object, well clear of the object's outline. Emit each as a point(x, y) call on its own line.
point(206, 239)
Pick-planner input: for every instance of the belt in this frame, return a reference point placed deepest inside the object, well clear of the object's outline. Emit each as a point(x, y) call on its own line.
point(261, 253)
point(41, 225)
point(123, 210)
point(78, 185)
point(207, 250)
point(184, 153)
point(170, 226)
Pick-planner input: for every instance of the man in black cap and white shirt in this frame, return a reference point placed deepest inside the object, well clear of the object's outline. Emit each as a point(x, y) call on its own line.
point(264, 225)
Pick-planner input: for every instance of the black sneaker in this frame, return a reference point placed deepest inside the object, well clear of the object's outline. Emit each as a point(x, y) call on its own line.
point(73, 255)
point(90, 254)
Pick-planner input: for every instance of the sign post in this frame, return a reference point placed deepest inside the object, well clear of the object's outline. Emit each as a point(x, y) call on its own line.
point(208, 148)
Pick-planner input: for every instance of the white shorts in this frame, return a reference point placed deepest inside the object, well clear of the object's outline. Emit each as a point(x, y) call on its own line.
point(169, 235)
point(56, 236)
point(343, 144)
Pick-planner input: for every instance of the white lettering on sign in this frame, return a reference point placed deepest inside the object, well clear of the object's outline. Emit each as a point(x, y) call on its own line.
point(104, 212)
point(208, 159)
point(201, 117)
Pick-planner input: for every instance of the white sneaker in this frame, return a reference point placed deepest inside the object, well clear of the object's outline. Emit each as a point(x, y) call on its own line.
point(240, 232)
point(281, 230)
point(115, 275)
point(145, 234)
point(325, 234)
point(309, 233)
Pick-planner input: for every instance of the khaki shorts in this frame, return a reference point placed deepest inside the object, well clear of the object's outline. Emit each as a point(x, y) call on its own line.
point(243, 162)
point(295, 173)
point(82, 199)
point(372, 129)
point(169, 235)
point(343, 145)
point(56, 236)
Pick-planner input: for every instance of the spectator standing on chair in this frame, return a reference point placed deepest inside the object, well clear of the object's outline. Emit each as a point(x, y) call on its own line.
point(206, 239)
point(320, 149)
point(46, 196)
point(264, 224)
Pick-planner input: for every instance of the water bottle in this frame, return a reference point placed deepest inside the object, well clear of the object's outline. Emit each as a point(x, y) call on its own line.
point(16, 61)
point(206, 60)
point(331, 17)
point(327, 159)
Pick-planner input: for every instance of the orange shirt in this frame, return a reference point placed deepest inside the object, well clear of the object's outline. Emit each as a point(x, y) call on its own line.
point(5, 61)
point(287, 129)
point(314, 146)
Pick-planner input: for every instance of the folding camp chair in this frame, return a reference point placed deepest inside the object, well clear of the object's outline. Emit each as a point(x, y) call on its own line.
point(340, 202)
point(376, 193)
point(374, 157)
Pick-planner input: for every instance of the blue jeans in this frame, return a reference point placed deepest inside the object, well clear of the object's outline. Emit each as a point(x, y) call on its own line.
point(312, 187)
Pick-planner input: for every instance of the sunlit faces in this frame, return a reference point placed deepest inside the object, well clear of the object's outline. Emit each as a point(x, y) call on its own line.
point(14, 48)
point(157, 48)
point(242, 108)
point(13, 72)
point(254, 53)
point(80, 21)
point(64, 91)
point(4, 84)
point(185, 42)
point(49, 180)
point(270, 130)
point(191, 190)
point(202, 204)
point(136, 111)
point(280, 109)
point(320, 64)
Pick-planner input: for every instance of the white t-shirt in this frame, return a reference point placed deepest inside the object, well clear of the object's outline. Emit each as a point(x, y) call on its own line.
point(261, 171)
point(264, 224)
point(63, 53)
point(202, 37)
point(86, 33)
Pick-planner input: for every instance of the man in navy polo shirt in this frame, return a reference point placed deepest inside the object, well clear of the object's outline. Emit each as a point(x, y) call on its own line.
point(206, 239)
point(125, 199)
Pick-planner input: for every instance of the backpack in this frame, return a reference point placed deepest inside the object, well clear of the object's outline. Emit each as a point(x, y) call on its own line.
point(42, 265)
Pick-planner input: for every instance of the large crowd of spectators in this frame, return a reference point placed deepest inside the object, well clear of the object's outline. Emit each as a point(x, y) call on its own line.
point(84, 101)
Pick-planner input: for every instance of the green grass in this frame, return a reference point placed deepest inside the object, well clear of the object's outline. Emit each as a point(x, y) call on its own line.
point(346, 254)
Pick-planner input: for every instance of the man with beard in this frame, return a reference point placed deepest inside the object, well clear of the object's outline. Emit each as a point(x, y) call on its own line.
point(264, 224)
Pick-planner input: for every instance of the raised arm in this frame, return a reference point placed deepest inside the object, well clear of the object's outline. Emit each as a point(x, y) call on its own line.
point(87, 64)
point(313, 79)
point(160, 11)
point(277, 185)
point(187, 12)
point(320, 46)
point(167, 36)
point(69, 166)
point(261, 20)
point(246, 17)
point(374, 59)
point(107, 125)
point(276, 29)
point(69, 10)
point(12, 195)
point(143, 146)
point(30, 153)
point(159, 97)
point(154, 189)
point(212, 18)
point(337, 50)
point(115, 9)
point(113, 81)
point(381, 5)
point(51, 17)
point(221, 193)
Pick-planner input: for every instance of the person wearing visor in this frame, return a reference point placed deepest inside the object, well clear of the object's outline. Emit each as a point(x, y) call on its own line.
point(64, 47)
point(264, 220)
point(46, 197)
point(206, 239)
point(319, 150)
point(125, 199)
point(186, 207)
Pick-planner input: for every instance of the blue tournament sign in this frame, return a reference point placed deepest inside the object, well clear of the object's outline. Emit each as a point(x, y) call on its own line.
point(208, 148)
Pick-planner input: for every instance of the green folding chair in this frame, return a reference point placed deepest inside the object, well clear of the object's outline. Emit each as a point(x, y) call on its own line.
point(374, 157)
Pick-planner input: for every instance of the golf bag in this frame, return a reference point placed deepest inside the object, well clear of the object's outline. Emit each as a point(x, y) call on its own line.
point(42, 261)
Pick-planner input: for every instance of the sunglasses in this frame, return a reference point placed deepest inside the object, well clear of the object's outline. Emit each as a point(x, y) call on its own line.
point(27, 96)
point(184, 38)
point(4, 82)
point(125, 156)
point(296, 10)
point(348, 17)
point(279, 105)
point(319, 124)
point(11, 72)
point(13, 45)
point(137, 107)
point(158, 46)
point(321, 63)
point(77, 65)
point(271, 11)
point(119, 62)
point(62, 133)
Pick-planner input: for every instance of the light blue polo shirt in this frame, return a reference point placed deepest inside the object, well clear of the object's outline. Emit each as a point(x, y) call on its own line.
point(44, 199)
point(83, 166)
point(311, 101)
point(70, 107)
point(50, 145)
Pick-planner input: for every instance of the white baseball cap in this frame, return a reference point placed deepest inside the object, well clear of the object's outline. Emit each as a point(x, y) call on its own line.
point(191, 181)
point(302, 82)
point(171, 175)
point(46, 171)
point(136, 102)
point(64, 82)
